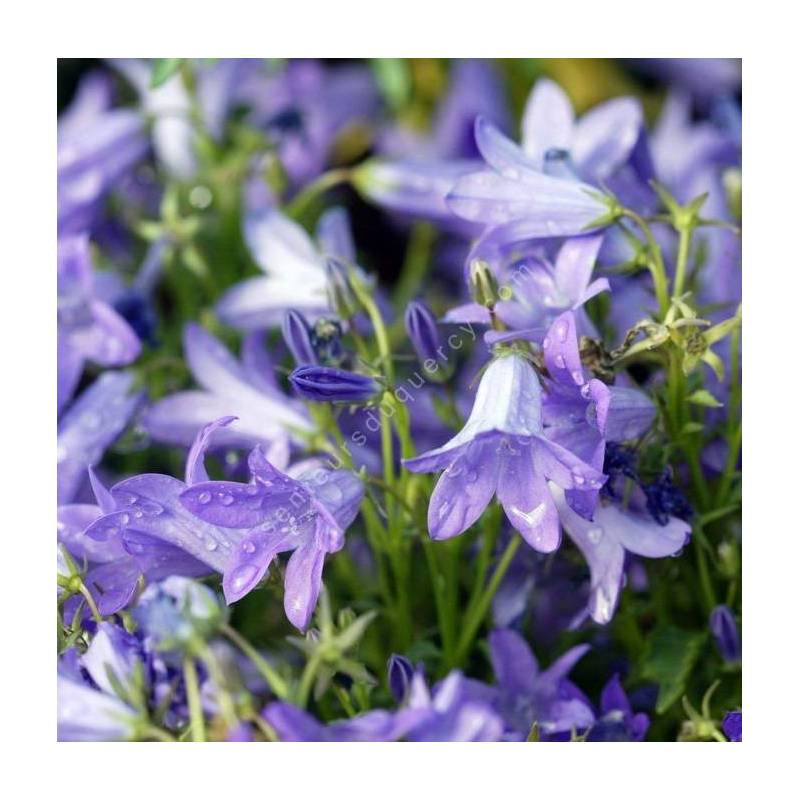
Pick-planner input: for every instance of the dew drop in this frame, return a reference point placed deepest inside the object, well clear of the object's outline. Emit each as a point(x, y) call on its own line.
point(562, 330)
point(211, 545)
point(560, 362)
point(242, 576)
point(578, 478)
point(204, 497)
point(595, 535)
point(226, 499)
point(248, 547)
point(546, 343)
point(444, 510)
point(577, 376)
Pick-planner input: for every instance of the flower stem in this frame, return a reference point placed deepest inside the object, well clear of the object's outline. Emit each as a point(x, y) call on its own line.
point(276, 683)
point(326, 181)
point(474, 619)
point(684, 243)
point(196, 721)
point(655, 263)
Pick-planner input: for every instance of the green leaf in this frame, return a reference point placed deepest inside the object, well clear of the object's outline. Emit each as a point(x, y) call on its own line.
point(669, 657)
point(702, 397)
point(163, 70)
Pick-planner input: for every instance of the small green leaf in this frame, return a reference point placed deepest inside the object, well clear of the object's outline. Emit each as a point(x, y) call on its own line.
point(163, 70)
point(702, 397)
point(393, 79)
point(669, 657)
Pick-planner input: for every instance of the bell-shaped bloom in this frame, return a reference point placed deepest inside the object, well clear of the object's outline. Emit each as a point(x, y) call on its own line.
point(90, 425)
point(726, 634)
point(292, 724)
point(294, 265)
point(97, 145)
point(541, 289)
point(580, 413)
point(246, 389)
point(329, 384)
point(85, 714)
point(502, 449)
point(525, 694)
point(139, 531)
point(617, 721)
point(276, 513)
point(605, 540)
point(517, 190)
point(88, 328)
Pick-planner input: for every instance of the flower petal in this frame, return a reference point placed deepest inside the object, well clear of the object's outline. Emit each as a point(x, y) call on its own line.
point(334, 235)
point(501, 154)
point(250, 561)
point(605, 137)
point(303, 582)
point(527, 502)
point(513, 662)
point(463, 491)
point(630, 413)
point(547, 121)
point(561, 354)
point(195, 468)
point(574, 264)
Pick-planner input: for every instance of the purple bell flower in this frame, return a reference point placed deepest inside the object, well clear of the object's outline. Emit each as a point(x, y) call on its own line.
point(525, 694)
point(85, 714)
point(329, 384)
point(247, 389)
point(90, 425)
point(503, 449)
point(276, 513)
point(422, 331)
point(726, 634)
point(617, 721)
point(88, 328)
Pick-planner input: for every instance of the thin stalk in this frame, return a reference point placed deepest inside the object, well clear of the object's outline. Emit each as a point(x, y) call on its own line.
point(684, 243)
point(473, 621)
point(326, 181)
point(655, 263)
point(197, 724)
point(275, 682)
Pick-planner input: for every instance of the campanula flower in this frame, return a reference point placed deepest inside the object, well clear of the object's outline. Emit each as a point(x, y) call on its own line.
point(400, 673)
point(502, 449)
point(423, 333)
point(329, 384)
point(276, 513)
point(139, 532)
point(525, 695)
point(97, 145)
point(90, 425)
point(86, 714)
point(294, 265)
point(298, 338)
point(88, 328)
point(617, 722)
point(246, 389)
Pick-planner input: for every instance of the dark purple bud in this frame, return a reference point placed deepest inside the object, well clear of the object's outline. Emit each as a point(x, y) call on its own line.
point(400, 675)
point(732, 726)
point(328, 384)
point(297, 336)
point(726, 634)
point(341, 297)
point(421, 329)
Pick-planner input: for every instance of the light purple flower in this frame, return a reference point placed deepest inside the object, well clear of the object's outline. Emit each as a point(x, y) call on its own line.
point(541, 289)
point(293, 263)
point(276, 513)
point(88, 328)
point(617, 721)
point(502, 449)
point(525, 694)
point(246, 389)
point(517, 192)
point(90, 425)
point(85, 714)
point(96, 146)
point(605, 540)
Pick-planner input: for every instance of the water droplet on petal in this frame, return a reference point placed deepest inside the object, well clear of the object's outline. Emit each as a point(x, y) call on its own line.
point(204, 497)
point(578, 478)
point(577, 376)
point(562, 330)
point(560, 362)
point(595, 534)
point(242, 576)
point(226, 499)
point(211, 545)
point(248, 547)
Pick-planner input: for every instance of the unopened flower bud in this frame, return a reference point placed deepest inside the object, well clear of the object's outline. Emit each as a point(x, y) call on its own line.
point(726, 634)
point(424, 335)
point(328, 384)
point(401, 674)
point(297, 336)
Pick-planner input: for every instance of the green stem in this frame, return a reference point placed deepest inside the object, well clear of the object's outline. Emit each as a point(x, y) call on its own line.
point(684, 243)
point(307, 679)
point(655, 262)
point(226, 705)
point(473, 621)
point(326, 181)
point(275, 682)
point(196, 721)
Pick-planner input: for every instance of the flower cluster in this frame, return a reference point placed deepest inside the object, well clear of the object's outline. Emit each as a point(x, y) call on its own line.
point(447, 394)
